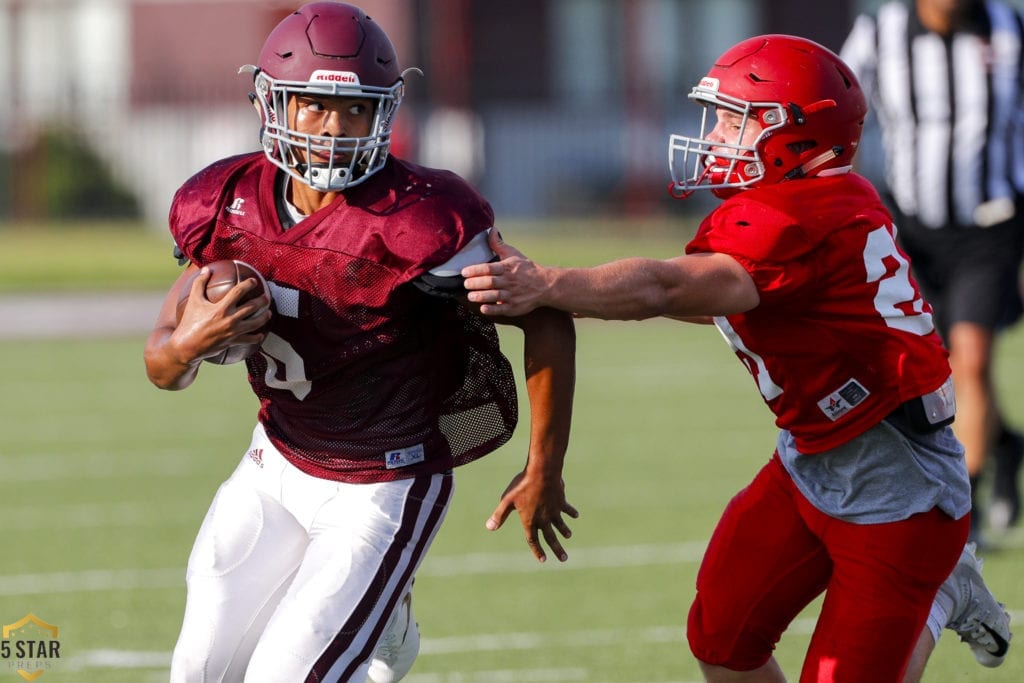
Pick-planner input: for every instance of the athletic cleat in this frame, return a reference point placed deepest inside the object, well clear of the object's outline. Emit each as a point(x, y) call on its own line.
point(1005, 506)
point(976, 535)
point(1002, 513)
point(977, 617)
point(398, 646)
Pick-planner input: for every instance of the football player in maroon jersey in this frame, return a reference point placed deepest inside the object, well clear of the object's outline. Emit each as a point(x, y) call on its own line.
point(866, 497)
point(375, 376)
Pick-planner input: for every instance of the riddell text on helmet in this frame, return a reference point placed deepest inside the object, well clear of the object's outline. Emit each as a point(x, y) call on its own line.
point(335, 76)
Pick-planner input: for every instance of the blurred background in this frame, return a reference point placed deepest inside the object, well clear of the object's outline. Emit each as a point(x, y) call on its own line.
point(560, 112)
point(551, 107)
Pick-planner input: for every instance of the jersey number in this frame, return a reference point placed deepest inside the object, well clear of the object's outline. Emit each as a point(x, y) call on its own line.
point(755, 363)
point(897, 301)
point(279, 353)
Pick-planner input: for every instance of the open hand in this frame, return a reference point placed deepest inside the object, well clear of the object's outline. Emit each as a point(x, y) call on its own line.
point(541, 506)
point(512, 286)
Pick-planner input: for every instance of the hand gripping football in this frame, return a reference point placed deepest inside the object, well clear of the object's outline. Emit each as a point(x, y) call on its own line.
point(224, 275)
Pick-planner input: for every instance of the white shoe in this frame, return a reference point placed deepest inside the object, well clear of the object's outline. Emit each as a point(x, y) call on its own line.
point(398, 646)
point(977, 617)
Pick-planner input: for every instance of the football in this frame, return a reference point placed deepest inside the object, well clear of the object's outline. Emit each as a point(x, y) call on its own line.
point(224, 275)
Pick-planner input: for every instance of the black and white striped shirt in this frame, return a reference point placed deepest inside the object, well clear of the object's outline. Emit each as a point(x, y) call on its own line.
point(950, 110)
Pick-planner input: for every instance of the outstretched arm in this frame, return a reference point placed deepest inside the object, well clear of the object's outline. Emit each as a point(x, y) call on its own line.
point(174, 350)
point(538, 492)
point(627, 289)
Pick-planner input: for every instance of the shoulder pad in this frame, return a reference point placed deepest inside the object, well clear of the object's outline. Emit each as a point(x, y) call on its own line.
point(446, 279)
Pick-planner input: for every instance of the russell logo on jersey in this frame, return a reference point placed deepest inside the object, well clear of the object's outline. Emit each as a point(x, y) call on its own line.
point(236, 207)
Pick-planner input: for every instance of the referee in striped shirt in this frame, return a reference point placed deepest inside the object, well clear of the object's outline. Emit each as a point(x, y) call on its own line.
point(946, 78)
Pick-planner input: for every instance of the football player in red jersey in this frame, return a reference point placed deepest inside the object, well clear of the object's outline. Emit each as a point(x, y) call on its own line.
point(866, 497)
point(375, 376)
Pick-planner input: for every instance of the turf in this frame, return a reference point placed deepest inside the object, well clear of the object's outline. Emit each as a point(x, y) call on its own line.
point(88, 257)
point(106, 479)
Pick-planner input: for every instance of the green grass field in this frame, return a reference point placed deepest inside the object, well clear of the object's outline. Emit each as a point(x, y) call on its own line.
point(105, 480)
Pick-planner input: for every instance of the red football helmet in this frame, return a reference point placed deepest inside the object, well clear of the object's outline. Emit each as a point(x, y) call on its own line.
point(806, 99)
point(327, 48)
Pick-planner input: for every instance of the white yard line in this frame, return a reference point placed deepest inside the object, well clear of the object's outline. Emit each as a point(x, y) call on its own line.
point(440, 566)
point(91, 580)
point(504, 676)
point(117, 659)
point(483, 642)
point(96, 516)
point(443, 566)
point(430, 647)
point(579, 558)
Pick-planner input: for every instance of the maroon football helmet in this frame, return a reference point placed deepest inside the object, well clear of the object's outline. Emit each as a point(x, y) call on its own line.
point(334, 49)
point(807, 100)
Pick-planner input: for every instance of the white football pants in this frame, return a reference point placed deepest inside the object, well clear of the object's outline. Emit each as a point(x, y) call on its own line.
point(293, 578)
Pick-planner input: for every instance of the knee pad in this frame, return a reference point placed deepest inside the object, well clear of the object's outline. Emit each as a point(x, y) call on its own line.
point(729, 647)
point(229, 533)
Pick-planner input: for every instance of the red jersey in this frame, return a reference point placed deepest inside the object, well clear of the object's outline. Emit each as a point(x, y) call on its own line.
point(841, 336)
point(362, 376)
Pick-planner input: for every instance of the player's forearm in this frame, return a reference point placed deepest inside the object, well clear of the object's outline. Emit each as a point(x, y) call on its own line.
point(549, 352)
point(166, 367)
point(687, 287)
point(627, 289)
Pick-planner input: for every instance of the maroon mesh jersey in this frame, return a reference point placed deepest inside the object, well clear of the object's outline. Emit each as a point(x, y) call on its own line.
point(362, 376)
point(842, 336)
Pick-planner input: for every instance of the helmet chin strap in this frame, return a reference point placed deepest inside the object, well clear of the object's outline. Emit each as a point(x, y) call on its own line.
point(322, 177)
point(804, 169)
point(316, 175)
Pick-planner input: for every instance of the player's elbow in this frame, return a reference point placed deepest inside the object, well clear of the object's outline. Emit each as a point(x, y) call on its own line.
point(171, 382)
point(712, 285)
point(161, 379)
point(738, 295)
point(165, 373)
point(726, 301)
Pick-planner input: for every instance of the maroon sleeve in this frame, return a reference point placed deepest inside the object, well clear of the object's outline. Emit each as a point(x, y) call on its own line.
point(448, 214)
point(201, 199)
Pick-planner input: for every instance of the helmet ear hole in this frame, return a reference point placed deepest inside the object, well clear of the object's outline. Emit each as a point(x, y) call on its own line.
point(801, 146)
